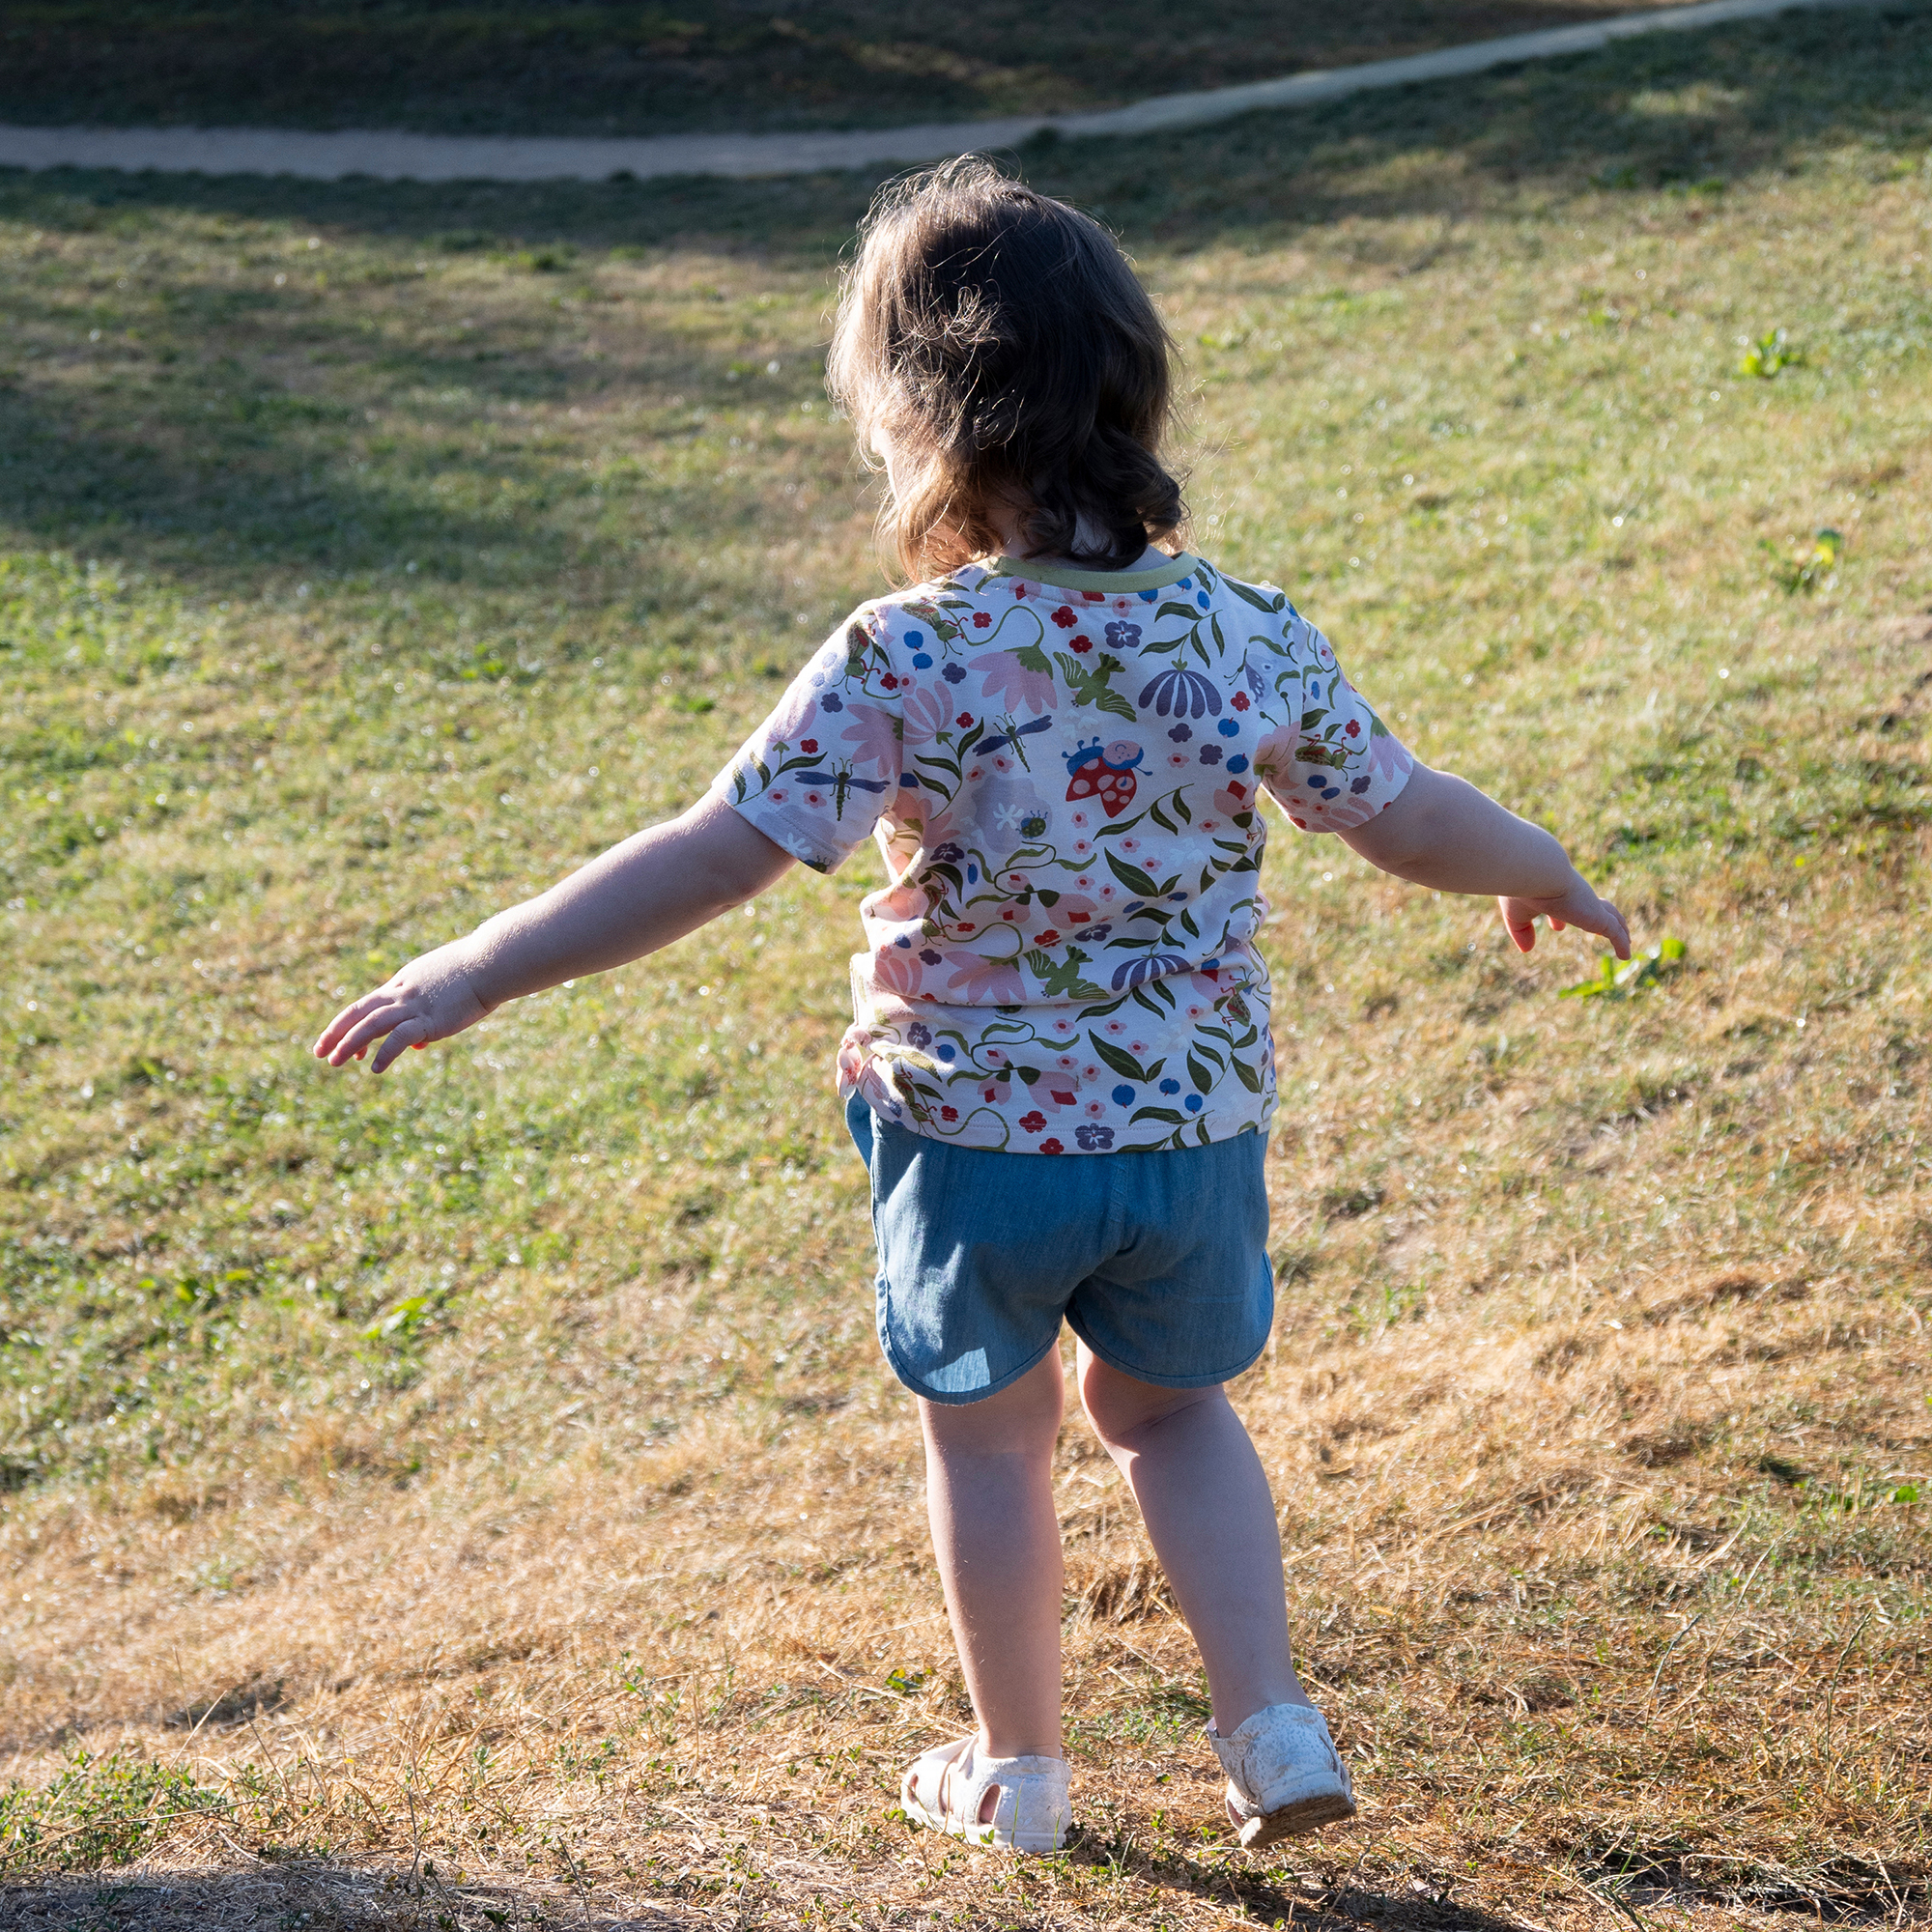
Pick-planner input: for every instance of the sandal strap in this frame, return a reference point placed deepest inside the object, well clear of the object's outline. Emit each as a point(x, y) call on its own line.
point(1032, 1807)
point(1009, 1773)
point(926, 1780)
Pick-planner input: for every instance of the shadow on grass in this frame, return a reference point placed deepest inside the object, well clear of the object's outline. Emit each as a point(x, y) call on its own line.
point(503, 67)
point(1263, 1896)
point(1837, 1890)
point(316, 1895)
point(321, 1896)
point(1677, 108)
point(221, 467)
point(229, 502)
point(208, 451)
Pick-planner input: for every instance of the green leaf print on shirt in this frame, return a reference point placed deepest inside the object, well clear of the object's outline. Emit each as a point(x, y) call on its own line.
point(1123, 1062)
point(1249, 595)
point(1132, 877)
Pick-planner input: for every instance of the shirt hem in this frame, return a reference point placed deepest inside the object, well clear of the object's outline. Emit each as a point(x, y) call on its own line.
point(1070, 1147)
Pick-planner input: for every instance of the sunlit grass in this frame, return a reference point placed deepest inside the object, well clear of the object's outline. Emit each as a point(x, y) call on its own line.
point(495, 1464)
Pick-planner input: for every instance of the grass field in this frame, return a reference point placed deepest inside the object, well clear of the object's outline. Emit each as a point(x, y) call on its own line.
point(584, 67)
point(477, 1499)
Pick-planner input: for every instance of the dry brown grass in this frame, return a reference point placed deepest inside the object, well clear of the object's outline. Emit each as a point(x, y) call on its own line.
point(1574, 1557)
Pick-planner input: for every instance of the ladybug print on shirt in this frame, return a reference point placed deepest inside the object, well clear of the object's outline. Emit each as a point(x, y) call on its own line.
point(1107, 777)
point(1064, 964)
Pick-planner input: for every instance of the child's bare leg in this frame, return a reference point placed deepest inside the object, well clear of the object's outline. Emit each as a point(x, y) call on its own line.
point(1205, 1498)
point(990, 1492)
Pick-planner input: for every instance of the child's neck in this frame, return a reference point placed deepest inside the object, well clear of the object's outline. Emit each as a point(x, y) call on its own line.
point(1085, 537)
point(1147, 559)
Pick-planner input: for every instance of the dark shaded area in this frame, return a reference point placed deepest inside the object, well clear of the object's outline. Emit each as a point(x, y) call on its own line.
point(321, 1897)
point(221, 480)
point(224, 470)
point(239, 1704)
point(581, 68)
point(1247, 1886)
point(1775, 87)
point(312, 1895)
point(1834, 1890)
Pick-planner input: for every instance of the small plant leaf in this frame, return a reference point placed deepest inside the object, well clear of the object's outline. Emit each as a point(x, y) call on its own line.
point(1807, 570)
point(1770, 353)
point(1615, 982)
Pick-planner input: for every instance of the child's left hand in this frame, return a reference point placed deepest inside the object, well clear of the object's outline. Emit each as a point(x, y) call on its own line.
point(1578, 906)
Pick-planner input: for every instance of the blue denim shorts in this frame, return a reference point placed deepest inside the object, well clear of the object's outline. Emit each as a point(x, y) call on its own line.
point(1158, 1261)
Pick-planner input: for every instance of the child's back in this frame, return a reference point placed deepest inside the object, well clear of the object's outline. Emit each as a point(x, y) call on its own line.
point(1064, 765)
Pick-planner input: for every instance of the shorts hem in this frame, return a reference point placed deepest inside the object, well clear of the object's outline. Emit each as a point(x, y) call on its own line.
point(1170, 1382)
point(952, 1397)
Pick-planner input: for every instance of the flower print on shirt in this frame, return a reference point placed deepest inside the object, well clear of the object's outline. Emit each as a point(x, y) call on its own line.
point(1336, 764)
point(924, 714)
point(1064, 962)
point(870, 738)
point(1007, 809)
point(1016, 679)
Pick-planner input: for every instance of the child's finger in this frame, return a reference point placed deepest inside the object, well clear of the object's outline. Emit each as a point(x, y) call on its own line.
point(404, 1035)
point(366, 1031)
point(1609, 925)
point(340, 1025)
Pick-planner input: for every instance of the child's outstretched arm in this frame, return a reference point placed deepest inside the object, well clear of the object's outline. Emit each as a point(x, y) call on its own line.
point(1442, 832)
point(654, 888)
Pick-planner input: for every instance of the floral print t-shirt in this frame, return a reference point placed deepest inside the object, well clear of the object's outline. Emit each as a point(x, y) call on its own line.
point(1062, 770)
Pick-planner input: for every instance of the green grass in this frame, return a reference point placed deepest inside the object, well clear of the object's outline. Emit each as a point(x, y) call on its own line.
point(492, 67)
point(339, 608)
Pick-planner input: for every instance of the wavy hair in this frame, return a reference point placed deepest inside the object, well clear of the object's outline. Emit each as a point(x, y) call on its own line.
point(1001, 342)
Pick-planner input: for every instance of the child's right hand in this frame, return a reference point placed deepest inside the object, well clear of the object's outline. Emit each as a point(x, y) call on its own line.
point(1577, 906)
point(429, 998)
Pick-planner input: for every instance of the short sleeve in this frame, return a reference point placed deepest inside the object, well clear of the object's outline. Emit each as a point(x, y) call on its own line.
point(1331, 763)
point(816, 775)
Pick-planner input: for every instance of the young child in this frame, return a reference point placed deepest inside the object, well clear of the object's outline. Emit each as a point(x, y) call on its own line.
point(1059, 1070)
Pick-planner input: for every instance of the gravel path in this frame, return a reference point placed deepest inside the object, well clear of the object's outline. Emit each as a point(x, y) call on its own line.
point(434, 158)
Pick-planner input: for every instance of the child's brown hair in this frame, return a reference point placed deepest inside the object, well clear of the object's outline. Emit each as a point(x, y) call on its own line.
point(1000, 339)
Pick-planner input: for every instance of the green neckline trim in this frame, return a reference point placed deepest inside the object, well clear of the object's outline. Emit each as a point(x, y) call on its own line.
point(1064, 576)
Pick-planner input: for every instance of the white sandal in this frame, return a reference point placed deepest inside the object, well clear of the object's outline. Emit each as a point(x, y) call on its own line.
point(947, 1787)
point(1284, 1775)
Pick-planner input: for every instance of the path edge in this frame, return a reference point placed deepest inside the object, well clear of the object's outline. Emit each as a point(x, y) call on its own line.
point(392, 156)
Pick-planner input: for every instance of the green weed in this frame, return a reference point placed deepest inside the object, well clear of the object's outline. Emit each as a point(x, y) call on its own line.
point(98, 1812)
point(1639, 973)
point(1770, 355)
point(1807, 570)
